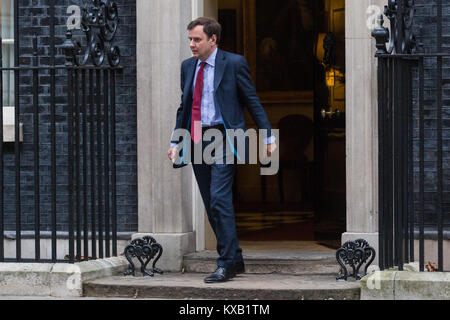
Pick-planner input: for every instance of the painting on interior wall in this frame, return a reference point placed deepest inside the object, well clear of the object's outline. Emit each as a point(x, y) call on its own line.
point(284, 43)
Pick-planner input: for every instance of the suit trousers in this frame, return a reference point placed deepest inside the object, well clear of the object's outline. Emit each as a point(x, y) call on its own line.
point(215, 182)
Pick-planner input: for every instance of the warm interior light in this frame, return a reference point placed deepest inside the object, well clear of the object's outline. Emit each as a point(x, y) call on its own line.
point(319, 50)
point(330, 77)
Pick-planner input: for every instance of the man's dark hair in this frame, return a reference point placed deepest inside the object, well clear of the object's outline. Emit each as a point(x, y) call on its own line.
point(210, 27)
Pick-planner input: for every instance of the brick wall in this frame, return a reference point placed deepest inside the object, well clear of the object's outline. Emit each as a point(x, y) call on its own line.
point(425, 29)
point(35, 19)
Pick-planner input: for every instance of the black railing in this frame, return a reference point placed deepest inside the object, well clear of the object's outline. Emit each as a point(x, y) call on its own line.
point(82, 165)
point(411, 179)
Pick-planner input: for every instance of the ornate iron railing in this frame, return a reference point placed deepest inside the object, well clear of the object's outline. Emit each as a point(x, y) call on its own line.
point(83, 206)
point(409, 199)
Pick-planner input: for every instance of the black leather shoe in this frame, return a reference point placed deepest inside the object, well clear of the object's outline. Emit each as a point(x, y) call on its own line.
point(239, 267)
point(220, 275)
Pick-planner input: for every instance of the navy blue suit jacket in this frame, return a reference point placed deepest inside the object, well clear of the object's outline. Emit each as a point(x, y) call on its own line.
point(233, 90)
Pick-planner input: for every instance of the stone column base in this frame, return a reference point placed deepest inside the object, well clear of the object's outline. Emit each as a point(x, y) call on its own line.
point(371, 238)
point(175, 246)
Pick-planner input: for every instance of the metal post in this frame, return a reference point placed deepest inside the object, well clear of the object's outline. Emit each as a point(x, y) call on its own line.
point(70, 162)
point(404, 156)
point(92, 163)
point(390, 165)
point(410, 183)
point(398, 165)
point(381, 158)
point(53, 128)
point(77, 163)
point(17, 132)
point(106, 160)
point(440, 216)
point(421, 167)
point(113, 161)
point(99, 164)
point(37, 215)
point(85, 168)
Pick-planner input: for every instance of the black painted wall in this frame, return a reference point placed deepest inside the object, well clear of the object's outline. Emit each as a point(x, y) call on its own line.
point(34, 20)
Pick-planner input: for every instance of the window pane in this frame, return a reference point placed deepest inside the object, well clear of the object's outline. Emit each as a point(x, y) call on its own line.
point(7, 19)
point(8, 76)
point(8, 54)
point(7, 33)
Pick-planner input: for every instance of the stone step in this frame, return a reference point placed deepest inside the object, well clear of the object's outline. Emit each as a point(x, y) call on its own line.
point(270, 262)
point(241, 287)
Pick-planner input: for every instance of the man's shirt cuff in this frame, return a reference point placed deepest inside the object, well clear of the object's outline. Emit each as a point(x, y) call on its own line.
point(270, 140)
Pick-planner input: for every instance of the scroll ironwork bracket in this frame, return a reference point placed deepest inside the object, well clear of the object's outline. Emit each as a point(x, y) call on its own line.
point(355, 254)
point(99, 23)
point(144, 249)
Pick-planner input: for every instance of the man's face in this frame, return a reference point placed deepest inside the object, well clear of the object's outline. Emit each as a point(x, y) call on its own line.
point(200, 45)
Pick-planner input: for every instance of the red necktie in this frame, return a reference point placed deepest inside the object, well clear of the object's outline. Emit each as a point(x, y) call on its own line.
point(196, 118)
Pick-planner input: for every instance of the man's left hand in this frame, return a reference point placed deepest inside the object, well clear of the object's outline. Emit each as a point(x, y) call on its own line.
point(271, 148)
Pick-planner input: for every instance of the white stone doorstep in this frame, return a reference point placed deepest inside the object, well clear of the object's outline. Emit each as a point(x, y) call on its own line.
point(405, 285)
point(55, 279)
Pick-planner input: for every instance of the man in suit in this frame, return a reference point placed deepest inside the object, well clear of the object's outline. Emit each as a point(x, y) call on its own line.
point(216, 86)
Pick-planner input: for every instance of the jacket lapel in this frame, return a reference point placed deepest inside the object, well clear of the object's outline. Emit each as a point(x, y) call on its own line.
point(219, 68)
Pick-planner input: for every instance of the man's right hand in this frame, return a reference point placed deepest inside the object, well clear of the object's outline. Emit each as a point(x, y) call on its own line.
point(172, 153)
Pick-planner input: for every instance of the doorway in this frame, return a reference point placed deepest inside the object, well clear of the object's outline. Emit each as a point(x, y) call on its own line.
point(296, 53)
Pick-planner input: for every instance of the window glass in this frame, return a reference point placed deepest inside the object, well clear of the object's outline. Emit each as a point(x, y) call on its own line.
point(7, 33)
